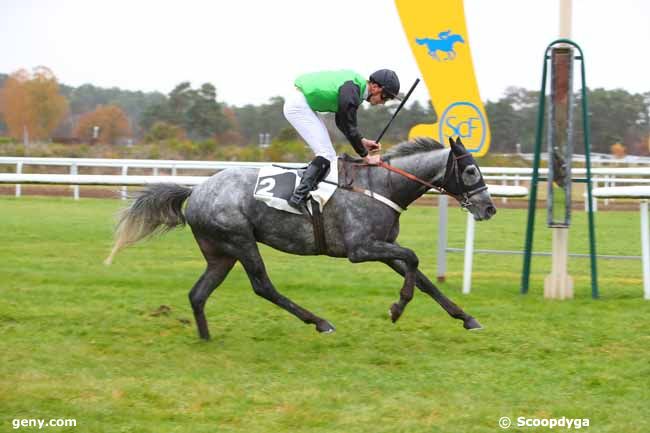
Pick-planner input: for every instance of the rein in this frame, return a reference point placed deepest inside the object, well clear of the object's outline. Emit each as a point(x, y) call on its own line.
point(452, 168)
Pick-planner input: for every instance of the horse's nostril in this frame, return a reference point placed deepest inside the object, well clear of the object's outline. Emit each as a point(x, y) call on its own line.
point(491, 210)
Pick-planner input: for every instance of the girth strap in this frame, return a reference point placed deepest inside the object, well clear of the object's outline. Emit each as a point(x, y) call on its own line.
point(319, 227)
point(388, 202)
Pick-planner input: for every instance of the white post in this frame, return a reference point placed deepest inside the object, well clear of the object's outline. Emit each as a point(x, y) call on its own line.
point(125, 171)
point(155, 171)
point(75, 188)
point(645, 249)
point(565, 19)
point(469, 253)
point(19, 170)
point(594, 199)
point(504, 199)
point(442, 236)
point(558, 284)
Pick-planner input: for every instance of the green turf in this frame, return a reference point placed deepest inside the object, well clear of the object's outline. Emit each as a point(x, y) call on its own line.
point(84, 341)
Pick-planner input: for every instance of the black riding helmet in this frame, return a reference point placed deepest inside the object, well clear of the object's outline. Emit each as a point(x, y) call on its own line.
point(388, 80)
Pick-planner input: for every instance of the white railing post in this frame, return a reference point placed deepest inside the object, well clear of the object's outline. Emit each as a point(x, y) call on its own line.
point(645, 249)
point(504, 182)
point(469, 254)
point(75, 188)
point(19, 170)
point(125, 191)
point(594, 199)
point(442, 236)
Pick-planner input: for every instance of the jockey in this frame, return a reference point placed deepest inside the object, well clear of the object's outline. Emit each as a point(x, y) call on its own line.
point(339, 92)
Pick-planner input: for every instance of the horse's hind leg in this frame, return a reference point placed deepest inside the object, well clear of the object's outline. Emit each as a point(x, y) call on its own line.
point(216, 272)
point(262, 285)
point(425, 285)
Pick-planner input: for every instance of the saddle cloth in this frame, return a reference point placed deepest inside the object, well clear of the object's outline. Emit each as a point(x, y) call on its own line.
point(275, 185)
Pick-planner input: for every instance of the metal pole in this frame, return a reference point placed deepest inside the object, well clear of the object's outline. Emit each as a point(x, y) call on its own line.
point(645, 249)
point(565, 18)
point(469, 254)
point(443, 211)
point(590, 198)
point(532, 200)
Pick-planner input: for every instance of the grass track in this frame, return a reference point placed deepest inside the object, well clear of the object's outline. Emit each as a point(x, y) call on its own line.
point(78, 339)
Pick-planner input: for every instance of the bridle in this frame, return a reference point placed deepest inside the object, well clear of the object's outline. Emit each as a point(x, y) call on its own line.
point(452, 178)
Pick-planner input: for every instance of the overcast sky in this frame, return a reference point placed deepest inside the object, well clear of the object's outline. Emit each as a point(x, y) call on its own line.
point(251, 50)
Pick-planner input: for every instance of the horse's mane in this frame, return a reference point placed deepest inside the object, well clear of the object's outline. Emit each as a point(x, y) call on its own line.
point(411, 147)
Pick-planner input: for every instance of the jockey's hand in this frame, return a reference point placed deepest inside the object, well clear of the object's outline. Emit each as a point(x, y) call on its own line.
point(372, 159)
point(370, 144)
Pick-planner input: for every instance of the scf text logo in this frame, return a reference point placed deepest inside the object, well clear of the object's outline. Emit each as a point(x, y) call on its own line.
point(464, 120)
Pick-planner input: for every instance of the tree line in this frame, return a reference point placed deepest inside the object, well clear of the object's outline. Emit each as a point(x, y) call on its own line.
point(34, 103)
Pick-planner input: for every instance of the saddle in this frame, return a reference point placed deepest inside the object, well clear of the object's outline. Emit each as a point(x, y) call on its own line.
point(275, 185)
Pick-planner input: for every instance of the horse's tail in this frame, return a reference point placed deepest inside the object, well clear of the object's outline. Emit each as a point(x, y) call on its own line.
point(157, 209)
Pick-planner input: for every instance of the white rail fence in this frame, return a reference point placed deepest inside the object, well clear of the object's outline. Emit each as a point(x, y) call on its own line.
point(510, 179)
point(602, 176)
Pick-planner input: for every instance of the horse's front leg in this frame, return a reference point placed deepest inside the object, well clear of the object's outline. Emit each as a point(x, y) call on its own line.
point(386, 251)
point(423, 283)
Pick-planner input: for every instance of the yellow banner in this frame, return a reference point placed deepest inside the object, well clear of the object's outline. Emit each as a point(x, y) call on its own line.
point(437, 35)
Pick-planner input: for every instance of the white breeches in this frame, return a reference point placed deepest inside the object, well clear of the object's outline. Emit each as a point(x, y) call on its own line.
point(309, 125)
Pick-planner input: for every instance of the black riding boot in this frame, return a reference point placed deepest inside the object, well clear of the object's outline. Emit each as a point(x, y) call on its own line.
point(315, 172)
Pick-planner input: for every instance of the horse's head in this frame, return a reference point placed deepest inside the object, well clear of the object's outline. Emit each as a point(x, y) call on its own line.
point(463, 180)
point(456, 38)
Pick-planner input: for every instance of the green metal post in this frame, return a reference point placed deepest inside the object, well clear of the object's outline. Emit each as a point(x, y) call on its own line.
point(587, 138)
point(532, 200)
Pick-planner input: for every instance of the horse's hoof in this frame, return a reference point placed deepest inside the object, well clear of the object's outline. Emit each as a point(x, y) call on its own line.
point(472, 324)
point(395, 312)
point(325, 327)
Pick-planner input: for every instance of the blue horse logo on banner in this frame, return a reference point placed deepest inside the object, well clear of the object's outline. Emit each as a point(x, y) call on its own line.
point(444, 43)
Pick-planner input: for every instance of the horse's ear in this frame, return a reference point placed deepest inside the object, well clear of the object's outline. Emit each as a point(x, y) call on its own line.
point(456, 147)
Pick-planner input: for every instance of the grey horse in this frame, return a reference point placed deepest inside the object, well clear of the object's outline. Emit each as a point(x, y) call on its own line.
point(227, 222)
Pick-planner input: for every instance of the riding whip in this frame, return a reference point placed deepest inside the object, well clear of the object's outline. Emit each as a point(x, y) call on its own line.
point(417, 80)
